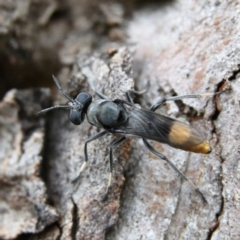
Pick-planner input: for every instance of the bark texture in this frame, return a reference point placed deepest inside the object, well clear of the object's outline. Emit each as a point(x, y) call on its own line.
point(179, 47)
point(84, 214)
point(23, 196)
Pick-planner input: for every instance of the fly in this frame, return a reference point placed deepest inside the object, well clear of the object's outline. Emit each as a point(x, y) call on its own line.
point(123, 117)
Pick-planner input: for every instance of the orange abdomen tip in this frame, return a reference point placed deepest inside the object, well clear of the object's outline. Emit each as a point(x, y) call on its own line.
point(185, 137)
point(203, 147)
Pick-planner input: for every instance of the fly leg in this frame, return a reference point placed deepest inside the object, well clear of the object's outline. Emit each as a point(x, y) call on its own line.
point(152, 150)
point(102, 96)
point(135, 93)
point(162, 101)
point(138, 93)
point(76, 180)
point(111, 147)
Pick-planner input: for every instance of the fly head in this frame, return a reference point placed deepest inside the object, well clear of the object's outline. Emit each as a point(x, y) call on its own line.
point(78, 106)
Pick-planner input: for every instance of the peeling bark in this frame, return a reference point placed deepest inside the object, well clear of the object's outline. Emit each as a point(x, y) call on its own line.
point(23, 203)
point(84, 214)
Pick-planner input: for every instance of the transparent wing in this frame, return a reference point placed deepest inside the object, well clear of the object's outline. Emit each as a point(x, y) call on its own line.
point(150, 125)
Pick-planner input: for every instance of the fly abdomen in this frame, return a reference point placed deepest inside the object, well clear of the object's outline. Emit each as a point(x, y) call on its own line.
point(185, 137)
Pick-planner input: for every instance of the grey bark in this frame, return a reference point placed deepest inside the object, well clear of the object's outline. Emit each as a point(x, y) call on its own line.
point(182, 47)
point(23, 195)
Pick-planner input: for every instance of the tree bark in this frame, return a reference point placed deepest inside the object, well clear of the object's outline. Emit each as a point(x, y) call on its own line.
point(179, 47)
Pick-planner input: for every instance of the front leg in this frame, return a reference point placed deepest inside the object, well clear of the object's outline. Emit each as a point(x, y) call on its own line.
point(138, 93)
point(76, 180)
point(111, 147)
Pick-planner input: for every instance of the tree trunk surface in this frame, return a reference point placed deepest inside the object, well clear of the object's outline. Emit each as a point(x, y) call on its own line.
point(175, 47)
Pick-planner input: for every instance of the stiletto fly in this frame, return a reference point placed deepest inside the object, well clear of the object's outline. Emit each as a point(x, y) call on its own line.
point(125, 118)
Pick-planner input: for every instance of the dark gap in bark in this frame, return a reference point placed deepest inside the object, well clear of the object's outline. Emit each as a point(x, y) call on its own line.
point(153, 3)
point(60, 230)
point(61, 13)
point(24, 236)
point(19, 69)
point(234, 74)
point(216, 225)
point(44, 170)
point(75, 220)
point(217, 111)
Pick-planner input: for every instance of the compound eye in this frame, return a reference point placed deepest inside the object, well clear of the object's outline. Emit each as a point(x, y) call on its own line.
point(84, 98)
point(76, 117)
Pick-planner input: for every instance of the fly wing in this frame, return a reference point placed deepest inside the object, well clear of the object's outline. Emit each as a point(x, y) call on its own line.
point(147, 124)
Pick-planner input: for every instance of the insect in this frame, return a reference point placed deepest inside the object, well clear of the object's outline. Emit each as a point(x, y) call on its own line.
point(125, 118)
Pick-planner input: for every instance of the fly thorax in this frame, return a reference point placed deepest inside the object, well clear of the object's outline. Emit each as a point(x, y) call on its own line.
point(93, 111)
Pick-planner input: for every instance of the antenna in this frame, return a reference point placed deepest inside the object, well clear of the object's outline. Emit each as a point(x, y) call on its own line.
point(63, 93)
point(54, 107)
point(61, 90)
